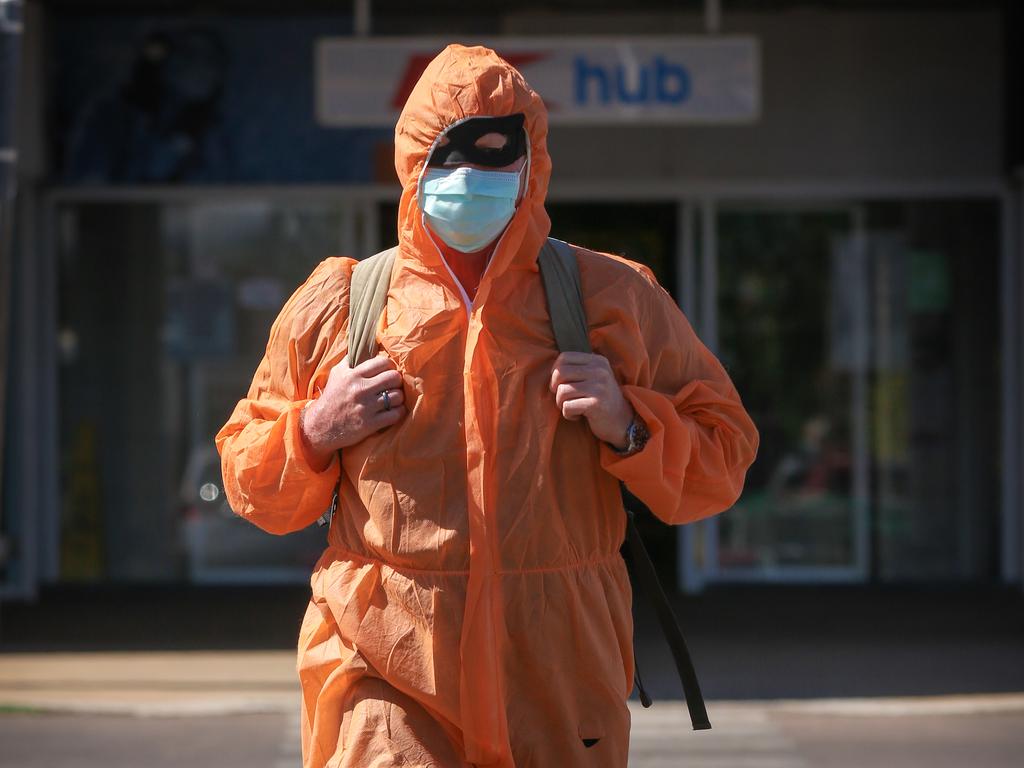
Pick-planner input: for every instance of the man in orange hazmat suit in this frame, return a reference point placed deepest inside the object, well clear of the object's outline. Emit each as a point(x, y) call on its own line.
point(471, 607)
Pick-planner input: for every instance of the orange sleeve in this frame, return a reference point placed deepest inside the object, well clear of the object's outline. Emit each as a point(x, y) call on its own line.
point(268, 476)
point(702, 439)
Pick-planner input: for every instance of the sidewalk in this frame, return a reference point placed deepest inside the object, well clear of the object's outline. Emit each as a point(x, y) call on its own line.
point(843, 650)
point(793, 678)
point(145, 684)
point(240, 709)
point(196, 683)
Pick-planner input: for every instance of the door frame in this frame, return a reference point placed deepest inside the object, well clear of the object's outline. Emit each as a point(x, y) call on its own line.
point(860, 521)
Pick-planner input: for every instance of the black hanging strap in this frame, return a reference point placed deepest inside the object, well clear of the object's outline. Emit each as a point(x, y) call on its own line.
point(643, 570)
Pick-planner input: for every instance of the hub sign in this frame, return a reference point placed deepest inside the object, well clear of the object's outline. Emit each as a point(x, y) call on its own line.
point(582, 80)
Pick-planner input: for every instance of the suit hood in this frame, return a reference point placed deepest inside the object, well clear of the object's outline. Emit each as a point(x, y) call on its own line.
point(459, 83)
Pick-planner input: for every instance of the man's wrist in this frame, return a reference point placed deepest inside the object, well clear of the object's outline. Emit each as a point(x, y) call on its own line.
point(636, 437)
point(318, 460)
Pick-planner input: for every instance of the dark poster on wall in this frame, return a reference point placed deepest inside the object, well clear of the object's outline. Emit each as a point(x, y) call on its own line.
point(169, 100)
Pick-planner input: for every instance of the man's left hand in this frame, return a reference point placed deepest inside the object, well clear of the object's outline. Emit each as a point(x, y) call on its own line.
point(584, 385)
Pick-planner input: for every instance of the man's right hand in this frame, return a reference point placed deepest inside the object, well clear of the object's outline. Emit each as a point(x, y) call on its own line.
point(351, 406)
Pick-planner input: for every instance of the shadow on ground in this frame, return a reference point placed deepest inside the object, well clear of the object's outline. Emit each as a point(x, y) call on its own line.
point(748, 642)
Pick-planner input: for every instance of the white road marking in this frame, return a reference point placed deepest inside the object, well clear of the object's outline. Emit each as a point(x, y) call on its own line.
point(289, 753)
point(740, 737)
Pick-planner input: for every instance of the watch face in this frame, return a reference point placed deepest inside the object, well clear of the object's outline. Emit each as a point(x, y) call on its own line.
point(638, 434)
point(631, 435)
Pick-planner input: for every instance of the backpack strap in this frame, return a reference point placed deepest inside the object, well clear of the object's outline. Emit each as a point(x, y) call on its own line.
point(368, 291)
point(643, 570)
point(560, 273)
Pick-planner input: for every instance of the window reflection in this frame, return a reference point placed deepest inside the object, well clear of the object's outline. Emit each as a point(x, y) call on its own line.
point(892, 331)
point(161, 329)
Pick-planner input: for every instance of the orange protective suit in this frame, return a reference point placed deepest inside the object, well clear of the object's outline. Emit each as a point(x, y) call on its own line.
point(471, 607)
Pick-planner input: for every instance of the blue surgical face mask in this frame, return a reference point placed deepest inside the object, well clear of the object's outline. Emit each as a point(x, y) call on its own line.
point(468, 207)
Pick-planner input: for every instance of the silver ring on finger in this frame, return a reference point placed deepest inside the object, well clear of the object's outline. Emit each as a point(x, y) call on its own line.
point(386, 399)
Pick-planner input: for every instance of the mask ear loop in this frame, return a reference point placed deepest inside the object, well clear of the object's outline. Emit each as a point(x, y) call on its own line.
point(527, 168)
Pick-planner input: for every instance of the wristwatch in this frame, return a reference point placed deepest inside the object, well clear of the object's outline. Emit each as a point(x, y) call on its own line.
point(637, 436)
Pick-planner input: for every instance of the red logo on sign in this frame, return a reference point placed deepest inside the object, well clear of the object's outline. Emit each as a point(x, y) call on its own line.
point(418, 62)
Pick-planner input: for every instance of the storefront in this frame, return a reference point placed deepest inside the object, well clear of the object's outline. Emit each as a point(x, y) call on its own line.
point(840, 227)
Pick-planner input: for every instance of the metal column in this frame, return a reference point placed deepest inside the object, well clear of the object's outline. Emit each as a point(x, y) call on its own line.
point(10, 55)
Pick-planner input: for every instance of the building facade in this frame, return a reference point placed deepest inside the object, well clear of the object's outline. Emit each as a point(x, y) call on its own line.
point(831, 191)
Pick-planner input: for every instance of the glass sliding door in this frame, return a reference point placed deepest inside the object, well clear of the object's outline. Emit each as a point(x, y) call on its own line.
point(935, 390)
point(160, 331)
point(792, 330)
point(865, 342)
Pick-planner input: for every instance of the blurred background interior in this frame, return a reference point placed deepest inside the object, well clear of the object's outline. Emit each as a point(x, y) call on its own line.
point(832, 190)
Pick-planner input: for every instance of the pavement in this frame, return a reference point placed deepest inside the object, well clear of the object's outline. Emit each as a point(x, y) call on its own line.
point(239, 709)
point(150, 684)
point(198, 683)
point(793, 678)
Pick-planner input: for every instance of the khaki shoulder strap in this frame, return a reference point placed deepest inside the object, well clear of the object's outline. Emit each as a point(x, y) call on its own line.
point(561, 275)
point(559, 272)
point(367, 293)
